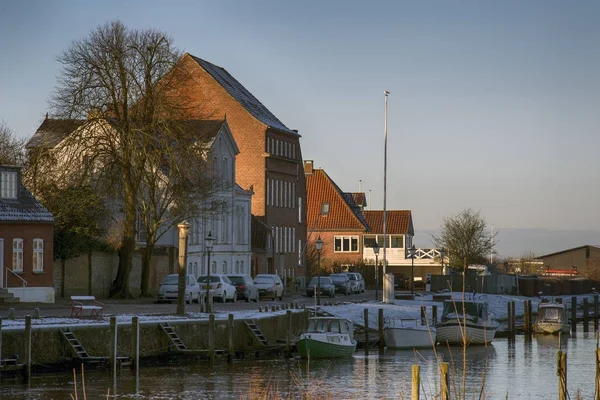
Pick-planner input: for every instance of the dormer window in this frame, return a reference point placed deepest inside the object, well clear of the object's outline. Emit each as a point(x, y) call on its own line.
point(324, 208)
point(8, 184)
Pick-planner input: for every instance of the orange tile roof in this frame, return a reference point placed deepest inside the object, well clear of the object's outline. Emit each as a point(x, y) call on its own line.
point(343, 215)
point(397, 221)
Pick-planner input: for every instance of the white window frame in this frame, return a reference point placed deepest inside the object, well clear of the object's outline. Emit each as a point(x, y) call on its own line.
point(8, 184)
point(17, 264)
point(350, 240)
point(38, 255)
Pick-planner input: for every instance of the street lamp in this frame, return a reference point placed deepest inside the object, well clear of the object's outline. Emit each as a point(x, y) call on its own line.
point(412, 275)
point(184, 228)
point(376, 251)
point(443, 255)
point(208, 245)
point(319, 246)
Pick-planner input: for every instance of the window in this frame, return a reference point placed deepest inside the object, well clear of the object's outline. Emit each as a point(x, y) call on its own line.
point(213, 267)
point(299, 251)
point(242, 268)
point(268, 145)
point(294, 151)
point(369, 241)
point(38, 255)
point(268, 191)
point(8, 185)
point(299, 210)
point(277, 193)
point(237, 267)
point(293, 195)
point(224, 268)
point(397, 242)
point(17, 255)
point(324, 208)
point(346, 244)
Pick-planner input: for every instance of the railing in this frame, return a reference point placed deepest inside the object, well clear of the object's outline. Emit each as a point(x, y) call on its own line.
point(427, 254)
point(15, 274)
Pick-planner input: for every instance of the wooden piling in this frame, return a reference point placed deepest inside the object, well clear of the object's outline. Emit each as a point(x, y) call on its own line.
point(595, 313)
point(509, 322)
point(434, 315)
point(573, 314)
point(113, 346)
point(530, 313)
point(416, 381)
point(586, 323)
point(525, 318)
point(381, 341)
point(211, 338)
point(561, 371)
point(444, 381)
point(597, 386)
point(288, 341)
point(28, 348)
point(366, 313)
point(135, 343)
point(230, 336)
point(514, 319)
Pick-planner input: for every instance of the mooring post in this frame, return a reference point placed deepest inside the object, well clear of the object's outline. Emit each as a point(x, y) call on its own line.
point(201, 301)
point(28, 347)
point(366, 312)
point(514, 318)
point(525, 317)
point(211, 337)
point(595, 313)
point(597, 390)
point(381, 341)
point(530, 312)
point(573, 314)
point(586, 304)
point(444, 381)
point(562, 375)
point(288, 341)
point(416, 381)
point(230, 334)
point(509, 311)
point(434, 315)
point(135, 342)
point(113, 346)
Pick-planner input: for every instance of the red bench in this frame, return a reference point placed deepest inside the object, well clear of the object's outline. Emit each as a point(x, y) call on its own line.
point(82, 303)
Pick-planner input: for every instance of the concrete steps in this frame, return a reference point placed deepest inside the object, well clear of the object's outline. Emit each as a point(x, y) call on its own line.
point(8, 298)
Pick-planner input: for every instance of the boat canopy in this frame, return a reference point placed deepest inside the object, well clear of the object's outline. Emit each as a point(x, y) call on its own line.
point(472, 309)
point(551, 313)
point(333, 325)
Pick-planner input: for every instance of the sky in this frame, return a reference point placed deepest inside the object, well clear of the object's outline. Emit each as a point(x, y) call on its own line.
point(493, 105)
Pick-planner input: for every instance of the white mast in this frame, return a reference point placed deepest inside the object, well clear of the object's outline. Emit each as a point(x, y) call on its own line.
point(385, 93)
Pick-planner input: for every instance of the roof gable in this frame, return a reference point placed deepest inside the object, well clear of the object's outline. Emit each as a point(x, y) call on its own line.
point(25, 208)
point(242, 95)
point(53, 131)
point(397, 221)
point(343, 213)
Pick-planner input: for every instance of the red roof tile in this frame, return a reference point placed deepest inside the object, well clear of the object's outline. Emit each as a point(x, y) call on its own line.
point(397, 221)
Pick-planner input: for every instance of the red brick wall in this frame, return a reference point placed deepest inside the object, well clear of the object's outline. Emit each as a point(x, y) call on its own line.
point(328, 253)
point(28, 232)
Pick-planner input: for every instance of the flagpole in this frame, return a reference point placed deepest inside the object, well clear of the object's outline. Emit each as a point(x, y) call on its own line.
point(385, 93)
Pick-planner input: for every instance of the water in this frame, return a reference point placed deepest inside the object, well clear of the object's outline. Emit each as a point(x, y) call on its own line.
point(522, 369)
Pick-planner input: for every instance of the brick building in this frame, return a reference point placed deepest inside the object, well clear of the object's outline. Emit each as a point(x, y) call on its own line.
point(270, 158)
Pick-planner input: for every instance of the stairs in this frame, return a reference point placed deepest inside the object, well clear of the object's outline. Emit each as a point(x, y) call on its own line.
point(8, 298)
point(75, 344)
point(251, 324)
point(175, 340)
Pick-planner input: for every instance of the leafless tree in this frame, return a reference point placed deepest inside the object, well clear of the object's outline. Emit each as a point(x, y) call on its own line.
point(466, 238)
point(11, 147)
point(116, 82)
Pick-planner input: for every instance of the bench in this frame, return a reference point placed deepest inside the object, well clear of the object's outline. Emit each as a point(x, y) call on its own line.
point(82, 303)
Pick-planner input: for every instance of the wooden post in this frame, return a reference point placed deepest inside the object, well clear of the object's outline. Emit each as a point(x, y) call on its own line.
point(434, 315)
point(562, 375)
point(0, 340)
point(595, 313)
point(444, 381)
point(201, 300)
point(288, 342)
point(230, 334)
point(211, 338)
point(514, 318)
point(135, 343)
point(573, 314)
point(366, 313)
point(416, 381)
point(381, 341)
point(423, 314)
point(597, 390)
point(530, 313)
point(113, 346)
point(27, 347)
point(509, 311)
point(586, 323)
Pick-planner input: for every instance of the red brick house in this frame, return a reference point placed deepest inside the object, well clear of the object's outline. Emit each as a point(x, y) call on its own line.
point(270, 158)
point(26, 242)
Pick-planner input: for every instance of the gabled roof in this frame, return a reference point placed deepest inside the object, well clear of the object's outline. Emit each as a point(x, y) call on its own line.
point(52, 131)
point(568, 250)
point(343, 213)
point(397, 221)
point(359, 198)
point(242, 95)
point(25, 208)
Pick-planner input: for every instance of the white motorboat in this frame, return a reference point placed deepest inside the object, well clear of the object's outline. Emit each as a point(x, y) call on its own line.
point(551, 318)
point(408, 333)
point(327, 337)
point(468, 320)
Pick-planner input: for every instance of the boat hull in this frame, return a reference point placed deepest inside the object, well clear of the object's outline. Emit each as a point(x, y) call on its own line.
point(406, 338)
point(308, 347)
point(450, 332)
point(551, 327)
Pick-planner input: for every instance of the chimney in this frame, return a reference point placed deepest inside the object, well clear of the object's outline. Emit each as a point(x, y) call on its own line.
point(308, 167)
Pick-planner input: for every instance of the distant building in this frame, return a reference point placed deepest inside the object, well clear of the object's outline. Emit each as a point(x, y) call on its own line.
point(584, 260)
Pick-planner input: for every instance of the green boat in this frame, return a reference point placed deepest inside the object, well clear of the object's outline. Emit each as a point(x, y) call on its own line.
point(327, 337)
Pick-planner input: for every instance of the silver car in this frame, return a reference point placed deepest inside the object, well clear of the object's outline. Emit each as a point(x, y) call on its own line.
point(168, 289)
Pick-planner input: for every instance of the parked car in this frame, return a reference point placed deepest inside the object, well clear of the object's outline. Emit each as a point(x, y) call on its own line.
point(361, 282)
point(341, 283)
point(169, 287)
point(356, 282)
point(221, 287)
point(246, 289)
point(269, 285)
point(326, 284)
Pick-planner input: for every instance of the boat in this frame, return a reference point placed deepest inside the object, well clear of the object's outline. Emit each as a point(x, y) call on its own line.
point(327, 337)
point(408, 333)
point(551, 318)
point(475, 324)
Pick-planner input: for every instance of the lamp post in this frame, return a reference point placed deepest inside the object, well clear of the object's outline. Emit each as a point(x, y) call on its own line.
point(412, 274)
point(443, 255)
point(376, 251)
point(184, 228)
point(319, 246)
point(208, 245)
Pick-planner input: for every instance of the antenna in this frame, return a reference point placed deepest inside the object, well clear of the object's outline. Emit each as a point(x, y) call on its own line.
point(369, 199)
point(360, 186)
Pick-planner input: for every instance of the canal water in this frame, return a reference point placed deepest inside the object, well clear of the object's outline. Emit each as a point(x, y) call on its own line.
point(520, 369)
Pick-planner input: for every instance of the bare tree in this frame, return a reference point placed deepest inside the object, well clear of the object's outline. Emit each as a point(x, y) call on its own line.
point(11, 147)
point(466, 238)
point(116, 81)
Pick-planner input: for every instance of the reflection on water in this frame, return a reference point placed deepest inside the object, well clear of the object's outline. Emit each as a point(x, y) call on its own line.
point(523, 369)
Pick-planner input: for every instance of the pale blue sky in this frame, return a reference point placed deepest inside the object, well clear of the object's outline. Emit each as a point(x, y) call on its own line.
point(493, 105)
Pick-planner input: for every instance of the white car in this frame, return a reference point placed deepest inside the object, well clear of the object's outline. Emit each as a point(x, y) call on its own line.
point(221, 287)
point(168, 289)
point(269, 285)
